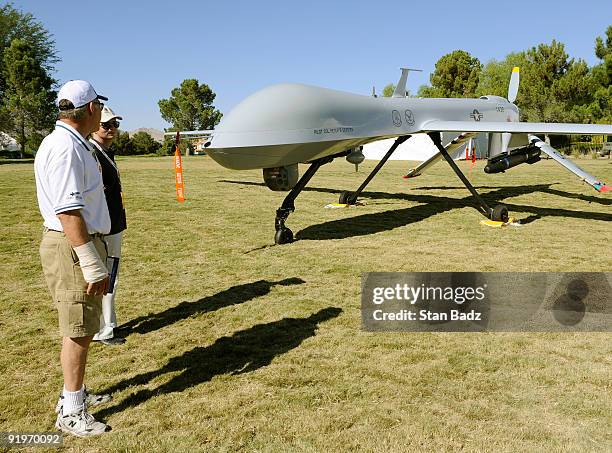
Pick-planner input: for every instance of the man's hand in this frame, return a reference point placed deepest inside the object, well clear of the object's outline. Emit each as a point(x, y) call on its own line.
point(92, 266)
point(98, 288)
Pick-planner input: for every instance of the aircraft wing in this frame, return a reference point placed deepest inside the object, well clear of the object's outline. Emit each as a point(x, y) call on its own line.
point(517, 127)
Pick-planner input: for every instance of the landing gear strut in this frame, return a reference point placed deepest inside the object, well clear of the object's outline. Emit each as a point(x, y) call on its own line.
point(347, 197)
point(499, 213)
point(283, 234)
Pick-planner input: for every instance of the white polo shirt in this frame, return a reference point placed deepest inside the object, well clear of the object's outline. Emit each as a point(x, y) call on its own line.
point(69, 177)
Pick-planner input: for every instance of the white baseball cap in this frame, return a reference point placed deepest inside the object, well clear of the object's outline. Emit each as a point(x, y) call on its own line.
point(108, 114)
point(79, 92)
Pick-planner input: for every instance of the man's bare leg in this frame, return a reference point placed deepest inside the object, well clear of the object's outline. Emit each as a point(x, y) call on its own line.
point(73, 358)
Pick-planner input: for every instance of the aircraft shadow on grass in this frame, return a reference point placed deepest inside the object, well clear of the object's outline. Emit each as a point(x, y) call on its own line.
point(431, 205)
point(243, 352)
point(232, 296)
point(545, 189)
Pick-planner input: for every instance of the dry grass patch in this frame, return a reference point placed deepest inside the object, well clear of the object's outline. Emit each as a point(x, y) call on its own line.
point(234, 344)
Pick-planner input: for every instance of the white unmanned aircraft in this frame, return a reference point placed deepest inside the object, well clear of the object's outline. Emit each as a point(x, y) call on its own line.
point(283, 125)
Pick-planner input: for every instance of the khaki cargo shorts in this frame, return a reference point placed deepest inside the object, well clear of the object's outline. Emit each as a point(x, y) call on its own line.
point(79, 314)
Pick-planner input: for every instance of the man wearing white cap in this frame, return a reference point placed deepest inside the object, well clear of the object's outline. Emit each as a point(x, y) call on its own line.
point(72, 203)
point(102, 139)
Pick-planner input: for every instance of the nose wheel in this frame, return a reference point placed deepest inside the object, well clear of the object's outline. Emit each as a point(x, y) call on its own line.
point(283, 236)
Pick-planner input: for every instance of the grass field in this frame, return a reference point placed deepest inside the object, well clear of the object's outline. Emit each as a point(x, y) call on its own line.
point(237, 345)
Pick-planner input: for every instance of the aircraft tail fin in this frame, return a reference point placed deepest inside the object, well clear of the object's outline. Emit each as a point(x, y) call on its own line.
point(400, 89)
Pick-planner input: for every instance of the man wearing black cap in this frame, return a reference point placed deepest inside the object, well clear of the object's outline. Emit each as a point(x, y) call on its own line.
point(72, 203)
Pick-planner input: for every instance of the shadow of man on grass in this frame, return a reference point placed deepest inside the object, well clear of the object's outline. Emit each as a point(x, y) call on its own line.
point(245, 351)
point(231, 296)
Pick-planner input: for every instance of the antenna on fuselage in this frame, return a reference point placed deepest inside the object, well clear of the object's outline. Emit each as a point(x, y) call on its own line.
point(400, 89)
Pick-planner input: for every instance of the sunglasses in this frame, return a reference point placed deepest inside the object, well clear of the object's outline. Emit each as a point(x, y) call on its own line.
point(99, 104)
point(110, 124)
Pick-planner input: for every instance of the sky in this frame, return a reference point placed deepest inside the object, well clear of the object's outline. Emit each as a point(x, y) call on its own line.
point(135, 52)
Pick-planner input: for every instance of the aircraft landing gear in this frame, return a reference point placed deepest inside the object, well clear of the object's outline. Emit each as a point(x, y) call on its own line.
point(499, 213)
point(283, 234)
point(347, 197)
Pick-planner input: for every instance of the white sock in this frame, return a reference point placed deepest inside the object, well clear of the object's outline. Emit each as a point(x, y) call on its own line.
point(73, 401)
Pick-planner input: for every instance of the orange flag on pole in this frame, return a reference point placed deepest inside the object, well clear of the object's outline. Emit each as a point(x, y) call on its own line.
point(178, 170)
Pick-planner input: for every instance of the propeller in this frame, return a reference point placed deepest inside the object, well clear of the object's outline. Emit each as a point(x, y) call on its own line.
point(513, 87)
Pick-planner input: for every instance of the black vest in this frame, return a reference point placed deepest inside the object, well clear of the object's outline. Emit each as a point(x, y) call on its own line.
point(112, 190)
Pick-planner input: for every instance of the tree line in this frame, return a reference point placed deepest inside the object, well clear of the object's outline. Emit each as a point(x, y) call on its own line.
point(28, 90)
point(554, 87)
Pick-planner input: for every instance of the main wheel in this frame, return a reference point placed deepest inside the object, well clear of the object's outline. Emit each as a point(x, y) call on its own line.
point(283, 236)
point(345, 197)
point(500, 213)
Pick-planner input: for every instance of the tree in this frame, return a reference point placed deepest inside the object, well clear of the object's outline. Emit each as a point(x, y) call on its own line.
point(28, 95)
point(553, 86)
point(167, 147)
point(495, 76)
point(601, 49)
point(16, 24)
point(190, 107)
point(389, 89)
point(144, 143)
point(456, 76)
point(122, 144)
point(601, 106)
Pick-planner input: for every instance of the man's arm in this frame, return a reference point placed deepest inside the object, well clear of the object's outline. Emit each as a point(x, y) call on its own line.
point(91, 264)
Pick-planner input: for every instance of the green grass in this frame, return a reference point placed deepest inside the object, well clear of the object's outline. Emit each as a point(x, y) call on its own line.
point(238, 345)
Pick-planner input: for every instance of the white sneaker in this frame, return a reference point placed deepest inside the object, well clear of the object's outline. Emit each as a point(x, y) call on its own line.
point(91, 399)
point(81, 424)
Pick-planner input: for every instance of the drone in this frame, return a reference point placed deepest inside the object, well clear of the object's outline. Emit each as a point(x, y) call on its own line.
point(283, 125)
